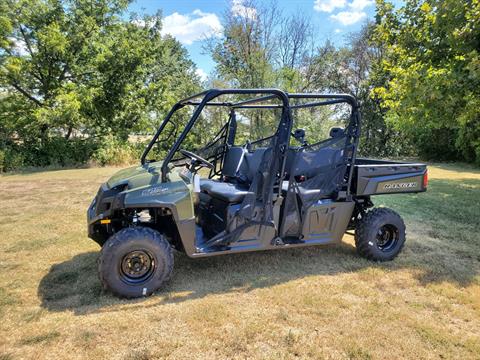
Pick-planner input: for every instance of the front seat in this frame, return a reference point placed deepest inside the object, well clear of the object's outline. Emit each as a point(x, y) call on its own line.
point(232, 192)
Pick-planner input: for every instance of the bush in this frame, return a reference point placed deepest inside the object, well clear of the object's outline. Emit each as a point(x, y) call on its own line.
point(62, 152)
point(56, 151)
point(2, 160)
point(116, 152)
point(13, 159)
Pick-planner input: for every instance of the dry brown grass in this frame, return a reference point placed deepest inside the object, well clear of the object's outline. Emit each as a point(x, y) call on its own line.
point(322, 302)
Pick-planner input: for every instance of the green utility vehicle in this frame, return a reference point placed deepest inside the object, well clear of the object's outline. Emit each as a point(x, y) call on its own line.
point(237, 194)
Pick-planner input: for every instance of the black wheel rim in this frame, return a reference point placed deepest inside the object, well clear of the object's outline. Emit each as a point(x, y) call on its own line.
point(137, 266)
point(387, 237)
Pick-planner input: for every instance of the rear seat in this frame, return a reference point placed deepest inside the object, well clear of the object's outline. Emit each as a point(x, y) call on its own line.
point(310, 164)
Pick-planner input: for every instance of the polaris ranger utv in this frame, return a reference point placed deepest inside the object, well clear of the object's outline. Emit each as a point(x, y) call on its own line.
point(281, 191)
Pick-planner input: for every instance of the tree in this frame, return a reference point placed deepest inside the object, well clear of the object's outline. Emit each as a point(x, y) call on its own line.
point(260, 47)
point(294, 46)
point(353, 69)
point(431, 62)
point(75, 71)
point(244, 59)
point(245, 51)
point(294, 40)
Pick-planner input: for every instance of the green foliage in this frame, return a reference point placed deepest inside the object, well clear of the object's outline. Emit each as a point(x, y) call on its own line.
point(2, 161)
point(432, 66)
point(77, 79)
point(12, 159)
point(242, 54)
point(114, 151)
point(56, 151)
point(415, 72)
point(353, 69)
point(75, 71)
point(245, 58)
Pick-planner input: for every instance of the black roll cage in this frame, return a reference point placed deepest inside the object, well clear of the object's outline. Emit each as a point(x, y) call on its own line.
point(205, 98)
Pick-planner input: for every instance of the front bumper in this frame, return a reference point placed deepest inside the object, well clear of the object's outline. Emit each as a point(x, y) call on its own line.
point(103, 206)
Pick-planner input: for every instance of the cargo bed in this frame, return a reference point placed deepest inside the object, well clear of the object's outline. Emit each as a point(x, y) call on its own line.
point(374, 177)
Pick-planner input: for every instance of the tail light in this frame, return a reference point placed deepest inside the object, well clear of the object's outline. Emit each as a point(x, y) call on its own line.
point(425, 179)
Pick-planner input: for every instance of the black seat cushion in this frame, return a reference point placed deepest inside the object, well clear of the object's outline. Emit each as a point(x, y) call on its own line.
point(231, 193)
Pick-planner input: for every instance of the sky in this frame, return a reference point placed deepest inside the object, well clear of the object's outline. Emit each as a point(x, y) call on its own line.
point(192, 21)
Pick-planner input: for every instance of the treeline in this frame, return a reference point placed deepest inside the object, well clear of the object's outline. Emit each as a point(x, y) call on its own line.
point(77, 77)
point(415, 70)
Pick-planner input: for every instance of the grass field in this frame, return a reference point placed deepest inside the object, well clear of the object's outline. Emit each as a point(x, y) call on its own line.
point(322, 302)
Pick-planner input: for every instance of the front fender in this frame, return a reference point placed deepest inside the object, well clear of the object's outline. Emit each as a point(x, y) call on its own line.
point(175, 196)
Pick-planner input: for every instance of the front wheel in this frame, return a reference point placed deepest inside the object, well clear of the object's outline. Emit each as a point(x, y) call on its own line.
point(380, 235)
point(135, 262)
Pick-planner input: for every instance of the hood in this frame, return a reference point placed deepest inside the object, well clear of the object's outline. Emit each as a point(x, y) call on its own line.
point(137, 176)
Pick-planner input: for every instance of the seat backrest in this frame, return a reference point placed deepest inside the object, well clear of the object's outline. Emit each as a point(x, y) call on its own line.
point(252, 163)
point(241, 165)
point(312, 163)
point(234, 157)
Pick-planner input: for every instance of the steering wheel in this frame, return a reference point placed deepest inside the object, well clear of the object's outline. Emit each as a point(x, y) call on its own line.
point(199, 159)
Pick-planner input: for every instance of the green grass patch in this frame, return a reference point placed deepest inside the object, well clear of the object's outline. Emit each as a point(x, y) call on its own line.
point(43, 338)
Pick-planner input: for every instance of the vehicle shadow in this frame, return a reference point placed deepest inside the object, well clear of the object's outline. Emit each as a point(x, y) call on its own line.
point(74, 285)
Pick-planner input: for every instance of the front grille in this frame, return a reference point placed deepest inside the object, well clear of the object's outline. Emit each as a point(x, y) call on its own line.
point(105, 198)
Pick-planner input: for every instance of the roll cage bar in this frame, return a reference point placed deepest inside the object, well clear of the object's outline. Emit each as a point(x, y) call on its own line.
point(205, 98)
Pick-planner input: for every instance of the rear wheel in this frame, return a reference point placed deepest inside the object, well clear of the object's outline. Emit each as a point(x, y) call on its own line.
point(380, 235)
point(135, 262)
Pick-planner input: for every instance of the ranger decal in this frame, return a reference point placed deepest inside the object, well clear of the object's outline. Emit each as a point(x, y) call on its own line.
point(400, 185)
point(153, 191)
